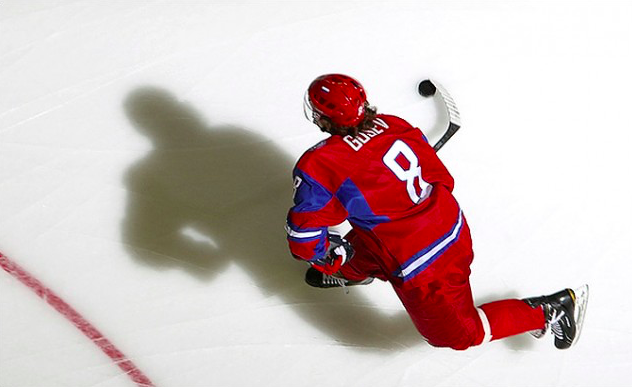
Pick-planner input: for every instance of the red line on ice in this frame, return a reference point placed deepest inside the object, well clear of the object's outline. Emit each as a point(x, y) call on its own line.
point(78, 320)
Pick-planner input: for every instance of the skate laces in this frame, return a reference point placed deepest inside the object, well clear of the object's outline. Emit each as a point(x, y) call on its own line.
point(331, 280)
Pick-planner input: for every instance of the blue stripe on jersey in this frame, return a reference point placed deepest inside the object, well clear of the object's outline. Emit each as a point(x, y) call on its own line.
point(319, 250)
point(420, 261)
point(310, 195)
point(358, 208)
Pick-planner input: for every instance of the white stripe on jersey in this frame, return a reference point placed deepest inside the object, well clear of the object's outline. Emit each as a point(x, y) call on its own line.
point(435, 250)
point(302, 235)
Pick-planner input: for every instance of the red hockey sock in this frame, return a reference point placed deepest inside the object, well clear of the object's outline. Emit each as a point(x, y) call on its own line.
point(512, 317)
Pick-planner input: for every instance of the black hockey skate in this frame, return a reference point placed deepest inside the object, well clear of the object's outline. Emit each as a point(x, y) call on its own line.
point(318, 279)
point(564, 313)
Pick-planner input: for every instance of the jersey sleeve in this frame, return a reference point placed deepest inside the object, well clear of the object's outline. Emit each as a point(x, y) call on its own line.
point(315, 208)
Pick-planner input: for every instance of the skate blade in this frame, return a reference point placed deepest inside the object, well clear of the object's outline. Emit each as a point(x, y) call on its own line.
point(581, 301)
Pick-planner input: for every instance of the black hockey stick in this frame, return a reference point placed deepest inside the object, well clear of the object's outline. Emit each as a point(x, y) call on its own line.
point(429, 88)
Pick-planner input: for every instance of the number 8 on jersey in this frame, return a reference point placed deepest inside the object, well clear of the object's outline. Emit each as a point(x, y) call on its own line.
point(409, 175)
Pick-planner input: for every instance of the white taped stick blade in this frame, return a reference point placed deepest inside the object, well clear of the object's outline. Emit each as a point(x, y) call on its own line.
point(453, 112)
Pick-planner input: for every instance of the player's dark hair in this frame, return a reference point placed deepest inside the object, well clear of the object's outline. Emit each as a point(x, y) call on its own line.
point(326, 125)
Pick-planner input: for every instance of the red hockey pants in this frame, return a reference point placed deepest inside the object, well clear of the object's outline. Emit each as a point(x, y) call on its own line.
point(441, 304)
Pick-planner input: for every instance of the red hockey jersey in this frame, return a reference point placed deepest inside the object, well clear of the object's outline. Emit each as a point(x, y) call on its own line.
point(390, 185)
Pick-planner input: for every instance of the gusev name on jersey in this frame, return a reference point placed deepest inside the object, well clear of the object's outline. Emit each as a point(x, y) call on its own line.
point(390, 185)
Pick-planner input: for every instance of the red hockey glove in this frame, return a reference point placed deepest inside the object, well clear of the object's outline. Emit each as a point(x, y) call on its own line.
point(340, 252)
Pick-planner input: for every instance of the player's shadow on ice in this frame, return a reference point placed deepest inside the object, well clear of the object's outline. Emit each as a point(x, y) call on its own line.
point(209, 196)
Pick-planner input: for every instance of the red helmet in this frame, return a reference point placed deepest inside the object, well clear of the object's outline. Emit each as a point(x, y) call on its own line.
point(336, 96)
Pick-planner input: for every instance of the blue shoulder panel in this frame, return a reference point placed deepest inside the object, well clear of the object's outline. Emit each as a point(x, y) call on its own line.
point(310, 195)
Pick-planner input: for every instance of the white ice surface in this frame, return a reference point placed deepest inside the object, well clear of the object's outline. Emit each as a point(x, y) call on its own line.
point(145, 155)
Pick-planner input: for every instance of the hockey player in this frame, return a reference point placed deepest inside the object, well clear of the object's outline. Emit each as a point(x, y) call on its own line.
point(379, 173)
